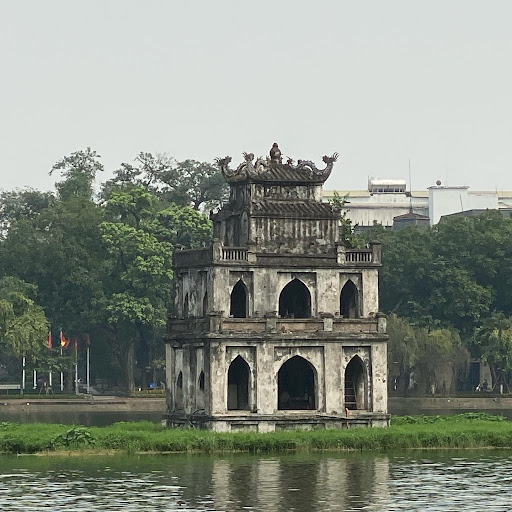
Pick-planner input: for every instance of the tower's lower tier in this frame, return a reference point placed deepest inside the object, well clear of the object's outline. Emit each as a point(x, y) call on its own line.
point(254, 422)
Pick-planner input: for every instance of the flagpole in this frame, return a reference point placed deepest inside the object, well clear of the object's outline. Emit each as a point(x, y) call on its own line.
point(35, 378)
point(88, 370)
point(61, 373)
point(76, 367)
point(23, 376)
point(50, 348)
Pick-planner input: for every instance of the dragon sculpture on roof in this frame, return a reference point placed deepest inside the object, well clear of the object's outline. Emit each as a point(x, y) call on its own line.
point(272, 165)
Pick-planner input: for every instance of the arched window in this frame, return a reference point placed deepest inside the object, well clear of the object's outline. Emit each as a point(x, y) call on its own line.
point(238, 301)
point(296, 385)
point(295, 300)
point(205, 304)
point(179, 391)
point(185, 307)
point(201, 381)
point(238, 385)
point(348, 301)
point(356, 394)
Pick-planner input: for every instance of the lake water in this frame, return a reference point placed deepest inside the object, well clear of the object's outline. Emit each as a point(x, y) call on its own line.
point(413, 481)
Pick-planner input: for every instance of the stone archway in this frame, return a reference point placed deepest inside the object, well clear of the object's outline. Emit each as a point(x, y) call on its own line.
point(356, 389)
point(296, 385)
point(238, 301)
point(349, 306)
point(179, 391)
point(238, 384)
point(295, 300)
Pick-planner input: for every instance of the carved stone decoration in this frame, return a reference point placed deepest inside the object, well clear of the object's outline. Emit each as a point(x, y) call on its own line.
point(275, 153)
point(272, 168)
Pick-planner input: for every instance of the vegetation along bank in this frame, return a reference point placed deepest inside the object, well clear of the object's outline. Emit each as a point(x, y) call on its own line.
point(471, 430)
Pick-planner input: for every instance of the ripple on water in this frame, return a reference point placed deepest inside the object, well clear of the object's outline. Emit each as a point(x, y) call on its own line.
point(279, 483)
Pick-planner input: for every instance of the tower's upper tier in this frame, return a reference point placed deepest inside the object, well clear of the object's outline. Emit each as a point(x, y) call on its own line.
point(277, 207)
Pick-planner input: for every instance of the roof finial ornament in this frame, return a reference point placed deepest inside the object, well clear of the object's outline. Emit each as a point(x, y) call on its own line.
point(275, 153)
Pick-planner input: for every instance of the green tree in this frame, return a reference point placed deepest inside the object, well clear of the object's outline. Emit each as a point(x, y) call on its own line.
point(402, 352)
point(493, 340)
point(25, 204)
point(346, 229)
point(23, 325)
point(139, 288)
point(199, 185)
point(79, 172)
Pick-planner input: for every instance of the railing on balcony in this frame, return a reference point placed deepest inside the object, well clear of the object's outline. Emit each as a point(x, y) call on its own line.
point(358, 256)
point(234, 254)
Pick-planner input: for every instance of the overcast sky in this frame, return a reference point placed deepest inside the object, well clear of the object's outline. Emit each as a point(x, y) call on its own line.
point(377, 81)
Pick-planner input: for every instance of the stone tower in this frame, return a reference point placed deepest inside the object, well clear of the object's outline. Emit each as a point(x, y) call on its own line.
point(277, 323)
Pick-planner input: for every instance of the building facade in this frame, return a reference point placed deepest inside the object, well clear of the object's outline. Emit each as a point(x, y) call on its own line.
point(277, 323)
point(388, 199)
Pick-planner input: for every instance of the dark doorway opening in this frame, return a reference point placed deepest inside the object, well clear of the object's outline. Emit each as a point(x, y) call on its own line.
point(201, 381)
point(295, 300)
point(348, 301)
point(179, 391)
point(238, 385)
point(238, 305)
point(355, 385)
point(296, 385)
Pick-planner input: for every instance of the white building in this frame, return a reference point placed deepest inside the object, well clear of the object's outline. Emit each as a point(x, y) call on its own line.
point(386, 199)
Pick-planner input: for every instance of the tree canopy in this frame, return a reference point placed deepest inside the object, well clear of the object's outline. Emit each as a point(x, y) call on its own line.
point(101, 268)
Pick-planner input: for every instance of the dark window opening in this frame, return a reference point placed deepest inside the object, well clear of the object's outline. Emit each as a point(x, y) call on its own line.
point(238, 385)
point(185, 307)
point(295, 301)
point(355, 389)
point(296, 385)
point(201, 381)
point(179, 391)
point(238, 306)
point(348, 301)
point(205, 304)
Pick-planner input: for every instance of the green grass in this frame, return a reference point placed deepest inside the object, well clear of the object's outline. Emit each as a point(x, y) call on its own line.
point(471, 430)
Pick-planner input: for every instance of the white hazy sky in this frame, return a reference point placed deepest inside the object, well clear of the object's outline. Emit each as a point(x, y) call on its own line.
point(378, 81)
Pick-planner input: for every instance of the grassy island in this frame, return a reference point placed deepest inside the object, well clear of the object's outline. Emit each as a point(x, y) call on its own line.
point(472, 430)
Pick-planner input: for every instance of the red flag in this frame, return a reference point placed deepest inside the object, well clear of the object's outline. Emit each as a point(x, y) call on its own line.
point(64, 343)
point(75, 343)
point(88, 341)
point(50, 340)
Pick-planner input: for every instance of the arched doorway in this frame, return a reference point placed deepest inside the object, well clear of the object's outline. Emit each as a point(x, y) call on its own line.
point(348, 301)
point(296, 385)
point(200, 391)
point(295, 300)
point(356, 395)
point(238, 302)
point(179, 391)
point(238, 385)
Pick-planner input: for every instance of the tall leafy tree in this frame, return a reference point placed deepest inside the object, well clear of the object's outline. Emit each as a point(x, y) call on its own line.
point(23, 324)
point(79, 172)
point(189, 183)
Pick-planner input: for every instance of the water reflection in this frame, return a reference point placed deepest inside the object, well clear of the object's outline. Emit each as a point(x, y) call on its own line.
point(298, 482)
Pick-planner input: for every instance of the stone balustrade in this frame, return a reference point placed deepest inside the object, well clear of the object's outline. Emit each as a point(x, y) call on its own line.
point(271, 324)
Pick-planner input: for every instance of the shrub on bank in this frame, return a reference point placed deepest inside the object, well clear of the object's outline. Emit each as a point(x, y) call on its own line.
point(462, 431)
